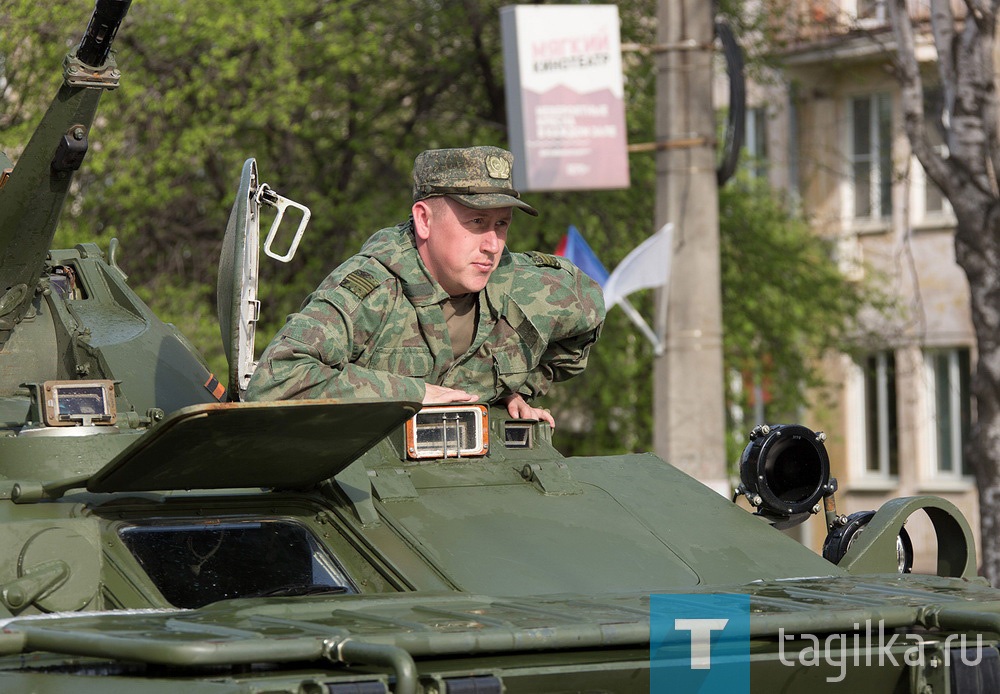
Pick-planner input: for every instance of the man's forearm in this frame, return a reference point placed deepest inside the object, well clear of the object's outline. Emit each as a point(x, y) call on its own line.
point(308, 378)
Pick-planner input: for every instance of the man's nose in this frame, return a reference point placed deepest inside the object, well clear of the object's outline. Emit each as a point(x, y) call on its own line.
point(490, 242)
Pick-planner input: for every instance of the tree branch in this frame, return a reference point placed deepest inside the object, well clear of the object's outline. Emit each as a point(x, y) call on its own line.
point(912, 99)
point(969, 144)
point(943, 30)
point(979, 10)
point(989, 98)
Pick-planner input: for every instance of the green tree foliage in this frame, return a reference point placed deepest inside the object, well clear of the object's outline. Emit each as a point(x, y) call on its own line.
point(785, 301)
point(334, 99)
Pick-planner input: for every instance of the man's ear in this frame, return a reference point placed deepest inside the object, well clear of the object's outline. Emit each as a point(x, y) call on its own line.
point(422, 214)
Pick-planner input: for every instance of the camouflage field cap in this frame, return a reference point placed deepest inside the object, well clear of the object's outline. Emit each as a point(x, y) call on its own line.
point(477, 177)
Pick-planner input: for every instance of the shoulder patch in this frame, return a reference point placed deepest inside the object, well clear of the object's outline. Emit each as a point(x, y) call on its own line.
point(543, 259)
point(360, 283)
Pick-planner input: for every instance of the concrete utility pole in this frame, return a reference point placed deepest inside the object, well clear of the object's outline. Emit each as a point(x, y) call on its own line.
point(688, 401)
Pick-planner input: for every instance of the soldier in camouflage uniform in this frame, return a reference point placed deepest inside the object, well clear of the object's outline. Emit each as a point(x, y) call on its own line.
point(436, 309)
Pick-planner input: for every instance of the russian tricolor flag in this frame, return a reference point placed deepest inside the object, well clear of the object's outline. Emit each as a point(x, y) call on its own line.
point(575, 249)
point(647, 266)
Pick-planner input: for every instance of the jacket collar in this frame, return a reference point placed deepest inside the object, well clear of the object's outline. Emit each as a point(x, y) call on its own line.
point(395, 248)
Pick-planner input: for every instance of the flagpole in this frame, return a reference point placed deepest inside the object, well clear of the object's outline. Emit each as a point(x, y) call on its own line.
point(632, 274)
point(640, 323)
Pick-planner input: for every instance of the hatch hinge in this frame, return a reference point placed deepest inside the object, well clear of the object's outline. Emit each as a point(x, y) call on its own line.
point(391, 484)
point(355, 484)
point(551, 478)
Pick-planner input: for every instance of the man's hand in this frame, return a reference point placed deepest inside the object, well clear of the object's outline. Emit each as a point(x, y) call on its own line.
point(519, 409)
point(440, 394)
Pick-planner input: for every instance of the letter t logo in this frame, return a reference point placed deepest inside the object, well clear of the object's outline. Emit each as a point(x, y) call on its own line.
point(701, 639)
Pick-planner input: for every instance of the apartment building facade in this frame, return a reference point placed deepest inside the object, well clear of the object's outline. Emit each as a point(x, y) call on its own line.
point(828, 125)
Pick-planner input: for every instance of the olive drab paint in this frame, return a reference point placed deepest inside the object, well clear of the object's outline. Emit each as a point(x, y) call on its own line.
point(168, 541)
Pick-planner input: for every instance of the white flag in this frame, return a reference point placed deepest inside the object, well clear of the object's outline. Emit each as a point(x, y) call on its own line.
point(648, 265)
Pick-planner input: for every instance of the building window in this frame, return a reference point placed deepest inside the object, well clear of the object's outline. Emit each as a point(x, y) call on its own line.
point(929, 201)
point(756, 142)
point(871, 156)
point(949, 409)
point(875, 448)
point(934, 202)
point(872, 11)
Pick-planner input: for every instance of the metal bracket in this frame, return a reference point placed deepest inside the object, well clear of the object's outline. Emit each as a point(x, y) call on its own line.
point(680, 143)
point(551, 478)
point(113, 247)
point(254, 307)
point(392, 484)
point(875, 550)
point(77, 73)
point(267, 196)
point(354, 483)
point(71, 150)
point(680, 46)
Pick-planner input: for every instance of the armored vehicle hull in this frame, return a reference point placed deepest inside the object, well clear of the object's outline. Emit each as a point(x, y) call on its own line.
point(157, 534)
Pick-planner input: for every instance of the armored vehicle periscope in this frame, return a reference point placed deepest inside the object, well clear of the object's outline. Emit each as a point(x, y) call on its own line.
point(158, 535)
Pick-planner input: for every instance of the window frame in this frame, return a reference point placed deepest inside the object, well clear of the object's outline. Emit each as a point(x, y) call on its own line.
point(920, 182)
point(919, 186)
point(959, 417)
point(878, 159)
point(876, 13)
point(883, 423)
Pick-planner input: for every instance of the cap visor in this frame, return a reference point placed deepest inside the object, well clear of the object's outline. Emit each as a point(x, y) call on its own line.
point(490, 201)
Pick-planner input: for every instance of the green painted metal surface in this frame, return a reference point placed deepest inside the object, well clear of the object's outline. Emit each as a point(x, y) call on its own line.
point(32, 198)
point(320, 558)
point(227, 445)
point(636, 524)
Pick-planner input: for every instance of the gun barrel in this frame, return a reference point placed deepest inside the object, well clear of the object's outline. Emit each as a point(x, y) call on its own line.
point(96, 43)
point(32, 196)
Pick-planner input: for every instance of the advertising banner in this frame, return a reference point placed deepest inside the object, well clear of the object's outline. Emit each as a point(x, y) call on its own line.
point(565, 99)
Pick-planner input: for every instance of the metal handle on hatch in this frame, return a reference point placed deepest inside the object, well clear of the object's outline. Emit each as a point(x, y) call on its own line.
point(266, 195)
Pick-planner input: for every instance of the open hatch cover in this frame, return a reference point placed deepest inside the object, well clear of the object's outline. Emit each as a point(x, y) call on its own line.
point(259, 444)
point(237, 286)
point(236, 291)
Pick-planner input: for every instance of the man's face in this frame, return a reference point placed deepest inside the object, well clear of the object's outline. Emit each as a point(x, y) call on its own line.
point(459, 245)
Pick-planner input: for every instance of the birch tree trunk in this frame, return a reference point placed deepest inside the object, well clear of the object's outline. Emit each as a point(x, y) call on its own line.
point(968, 177)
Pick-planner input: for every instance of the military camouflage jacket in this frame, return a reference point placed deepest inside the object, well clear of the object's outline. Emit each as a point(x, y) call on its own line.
point(375, 328)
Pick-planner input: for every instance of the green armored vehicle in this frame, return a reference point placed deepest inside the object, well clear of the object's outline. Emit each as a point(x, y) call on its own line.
point(158, 535)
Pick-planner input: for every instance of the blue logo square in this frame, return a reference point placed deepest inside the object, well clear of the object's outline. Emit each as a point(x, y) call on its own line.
point(699, 644)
